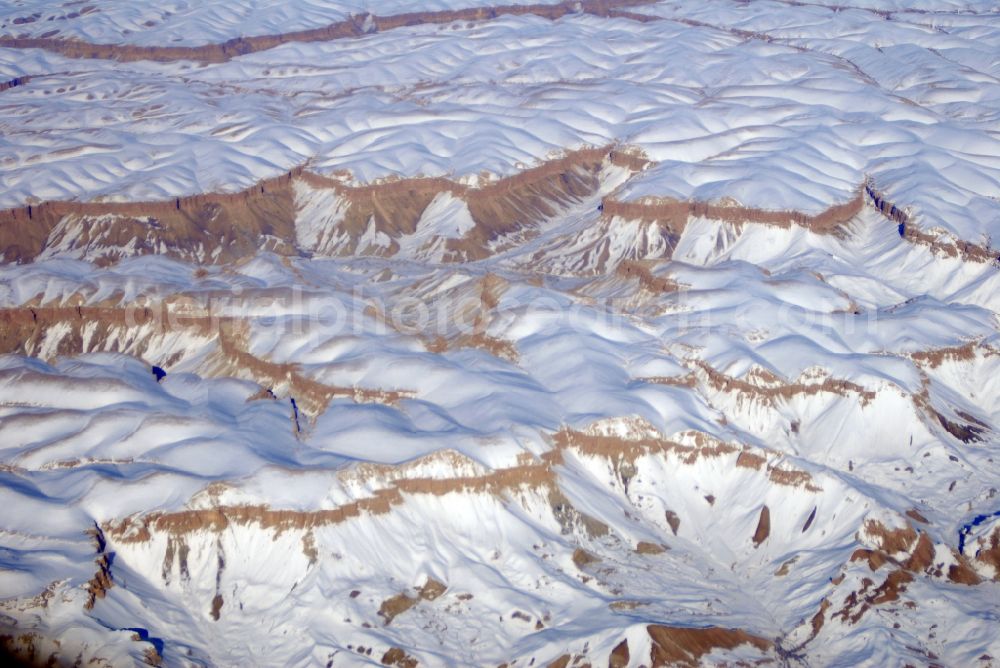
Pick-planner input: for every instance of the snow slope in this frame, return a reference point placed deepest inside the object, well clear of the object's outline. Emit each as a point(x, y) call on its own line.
point(793, 112)
point(182, 22)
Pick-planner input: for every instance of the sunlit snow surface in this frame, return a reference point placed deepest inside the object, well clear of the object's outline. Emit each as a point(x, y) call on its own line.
point(192, 23)
point(796, 118)
point(772, 105)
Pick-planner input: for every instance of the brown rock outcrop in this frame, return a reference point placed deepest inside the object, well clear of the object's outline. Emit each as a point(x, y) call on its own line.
point(398, 658)
point(674, 213)
point(212, 227)
point(219, 518)
point(763, 529)
point(98, 585)
point(619, 656)
point(681, 646)
point(989, 553)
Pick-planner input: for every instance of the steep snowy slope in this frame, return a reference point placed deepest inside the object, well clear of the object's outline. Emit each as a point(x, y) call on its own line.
point(619, 333)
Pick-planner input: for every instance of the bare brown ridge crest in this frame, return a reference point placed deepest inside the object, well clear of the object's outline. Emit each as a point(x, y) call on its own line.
point(217, 518)
point(226, 227)
point(355, 26)
point(237, 225)
point(674, 213)
point(769, 388)
point(538, 474)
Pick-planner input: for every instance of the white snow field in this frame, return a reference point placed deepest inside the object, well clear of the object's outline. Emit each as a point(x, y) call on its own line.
point(189, 23)
point(633, 334)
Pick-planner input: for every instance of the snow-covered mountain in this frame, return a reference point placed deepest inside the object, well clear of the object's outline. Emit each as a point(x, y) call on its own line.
point(611, 332)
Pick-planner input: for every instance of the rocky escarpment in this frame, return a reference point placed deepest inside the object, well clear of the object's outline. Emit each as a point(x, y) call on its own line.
point(381, 218)
point(939, 244)
point(210, 227)
point(188, 541)
point(221, 228)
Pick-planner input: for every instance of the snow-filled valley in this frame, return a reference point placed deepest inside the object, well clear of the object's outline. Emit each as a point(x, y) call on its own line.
point(544, 334)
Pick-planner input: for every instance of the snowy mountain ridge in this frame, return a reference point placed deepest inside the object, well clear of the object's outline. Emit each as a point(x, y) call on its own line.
point(544, 334)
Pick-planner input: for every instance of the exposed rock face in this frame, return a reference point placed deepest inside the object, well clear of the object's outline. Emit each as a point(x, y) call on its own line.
point(102, 581)
point(200, 228)
point(676, 646)
point(224, 228)
point(397, 657)
point(763, 529)
point(619, 655)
